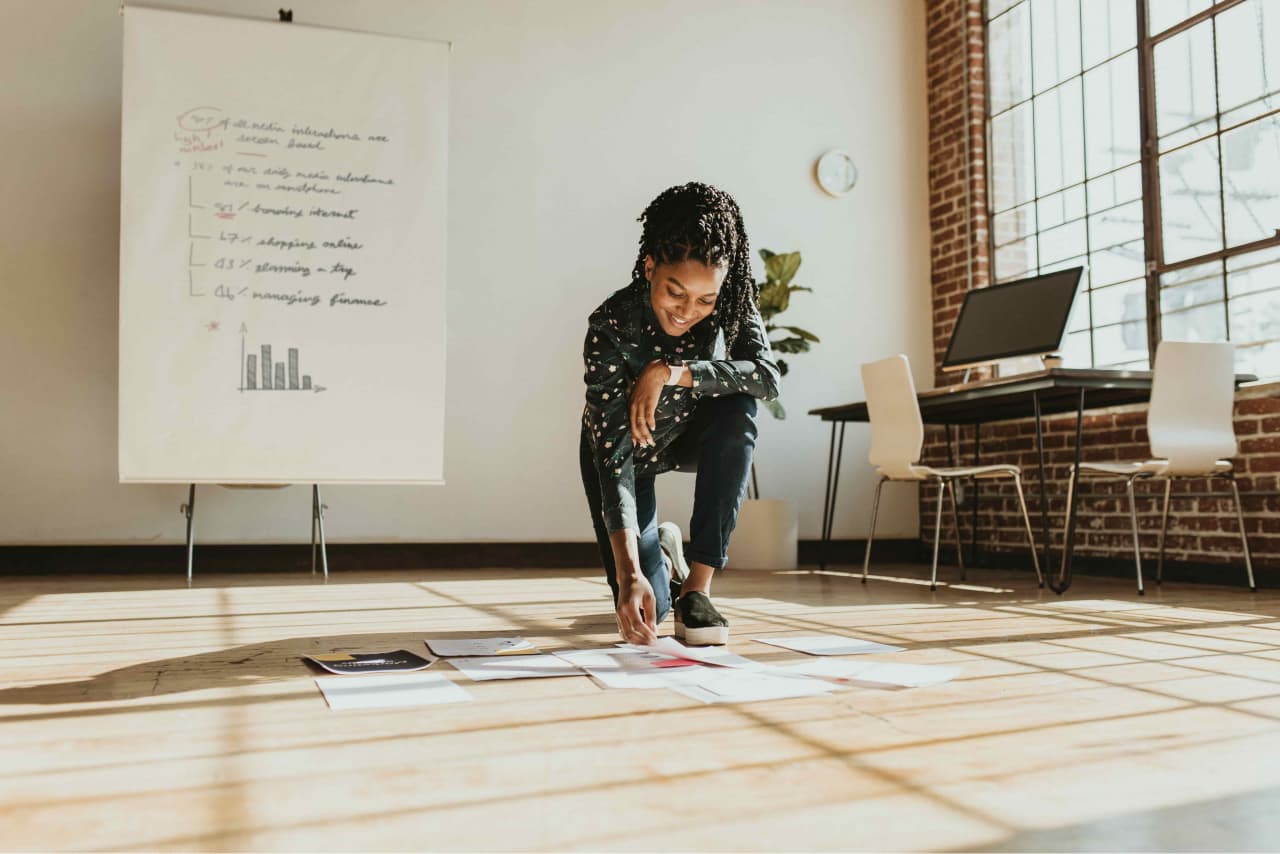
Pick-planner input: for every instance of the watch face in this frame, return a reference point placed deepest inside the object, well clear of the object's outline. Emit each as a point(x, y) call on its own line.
point(836, 173)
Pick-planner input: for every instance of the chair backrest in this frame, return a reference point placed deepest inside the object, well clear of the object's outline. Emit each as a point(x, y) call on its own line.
point(897, 433)
point(1192, 397)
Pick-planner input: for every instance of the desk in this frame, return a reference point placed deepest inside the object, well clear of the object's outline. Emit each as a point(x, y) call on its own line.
point(1037, 394)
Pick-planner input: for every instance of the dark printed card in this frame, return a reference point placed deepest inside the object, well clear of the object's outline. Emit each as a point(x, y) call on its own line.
point(396, 661)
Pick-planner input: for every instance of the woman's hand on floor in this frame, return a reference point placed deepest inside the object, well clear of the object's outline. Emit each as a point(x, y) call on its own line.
point(636, 610)
point(644, 401)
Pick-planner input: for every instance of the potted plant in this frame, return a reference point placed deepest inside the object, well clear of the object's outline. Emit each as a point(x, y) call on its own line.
point(775, 297)
point(767, 535)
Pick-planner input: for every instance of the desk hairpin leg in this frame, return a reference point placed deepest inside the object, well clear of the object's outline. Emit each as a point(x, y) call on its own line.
point(955, 505)
point(1044, 484)
point(834, 457)
point(826, 501)
point(189, 510)
point(955, 501)
point(1069, 532)
point(317, 523)
point(973, 494)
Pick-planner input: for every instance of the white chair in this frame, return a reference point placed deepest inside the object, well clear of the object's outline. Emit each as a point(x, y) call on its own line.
point(1191, 432)
point(897, 435)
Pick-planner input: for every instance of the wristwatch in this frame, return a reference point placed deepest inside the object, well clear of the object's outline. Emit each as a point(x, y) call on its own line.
point(677, 367)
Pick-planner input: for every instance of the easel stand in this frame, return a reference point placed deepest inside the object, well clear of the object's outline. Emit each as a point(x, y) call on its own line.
point(317, 526)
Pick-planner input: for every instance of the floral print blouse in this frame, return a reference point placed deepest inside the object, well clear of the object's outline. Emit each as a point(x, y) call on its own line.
point(623, 336)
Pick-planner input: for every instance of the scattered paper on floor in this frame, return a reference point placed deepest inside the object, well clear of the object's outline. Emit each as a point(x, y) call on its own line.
point(632, 668)
point(729, 685)
point(445, 647)
point(902, 675)
point(514, 667)
point(829, 645)
point(387, 691)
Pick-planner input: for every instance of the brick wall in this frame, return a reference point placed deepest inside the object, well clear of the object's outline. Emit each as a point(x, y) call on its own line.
point(957, 170)
point(1202, 522)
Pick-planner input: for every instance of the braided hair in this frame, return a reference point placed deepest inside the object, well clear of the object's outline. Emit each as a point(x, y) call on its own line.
point(701, 223)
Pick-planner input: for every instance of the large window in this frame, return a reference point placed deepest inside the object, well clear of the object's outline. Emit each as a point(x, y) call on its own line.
point(1075, 88)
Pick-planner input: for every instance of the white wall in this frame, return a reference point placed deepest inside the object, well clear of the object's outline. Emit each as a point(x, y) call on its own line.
point(567, 117)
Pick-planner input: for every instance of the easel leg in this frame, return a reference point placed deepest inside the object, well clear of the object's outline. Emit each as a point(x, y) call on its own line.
point(315, 503)
point(318, 522)
point(826, 501)
point(189, 510)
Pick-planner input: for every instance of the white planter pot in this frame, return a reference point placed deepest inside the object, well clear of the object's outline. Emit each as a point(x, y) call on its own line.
point(767, 536)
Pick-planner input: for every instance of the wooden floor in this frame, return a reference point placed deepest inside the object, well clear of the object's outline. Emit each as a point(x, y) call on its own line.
point(138, 714)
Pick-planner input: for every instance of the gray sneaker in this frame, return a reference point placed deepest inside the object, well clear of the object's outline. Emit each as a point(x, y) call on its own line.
point(673, 549)
point(698, 623)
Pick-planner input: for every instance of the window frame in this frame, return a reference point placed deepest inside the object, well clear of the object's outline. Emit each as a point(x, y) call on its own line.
point(1154, 263)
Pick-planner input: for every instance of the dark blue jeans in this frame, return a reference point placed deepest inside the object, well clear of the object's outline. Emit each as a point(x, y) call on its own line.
point(720, 440)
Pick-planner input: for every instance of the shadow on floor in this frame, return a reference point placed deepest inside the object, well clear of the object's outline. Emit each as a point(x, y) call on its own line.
point(1246, 822)
point(250, 664)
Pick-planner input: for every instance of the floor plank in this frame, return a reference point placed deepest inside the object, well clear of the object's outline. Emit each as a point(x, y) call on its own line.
point(139, 713)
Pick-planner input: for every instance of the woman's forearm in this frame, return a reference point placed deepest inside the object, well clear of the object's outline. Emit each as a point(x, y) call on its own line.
point(626, 553)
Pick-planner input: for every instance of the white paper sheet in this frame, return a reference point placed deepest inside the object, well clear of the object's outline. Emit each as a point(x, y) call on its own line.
point(445, 647)
point(902, 675)
point(730, 685)
point(515, 667)
point(632, 668)
point(829, 645)
point(714, 655)
point(392, 690)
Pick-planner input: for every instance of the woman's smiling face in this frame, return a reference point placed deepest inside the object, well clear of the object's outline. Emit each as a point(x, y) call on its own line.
point(682, 293)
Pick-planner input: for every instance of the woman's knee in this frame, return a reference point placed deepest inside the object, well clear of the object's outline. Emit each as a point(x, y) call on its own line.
point(739, 412)
point(734, 420)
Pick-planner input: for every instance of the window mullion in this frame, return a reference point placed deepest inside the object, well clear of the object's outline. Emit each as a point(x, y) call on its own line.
point(1222, 178)
point(1035, 164)
point(1084, 159)
point(1153, 239)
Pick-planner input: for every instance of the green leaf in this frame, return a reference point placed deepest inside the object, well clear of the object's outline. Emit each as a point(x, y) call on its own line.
point(774, 298)
point(776, 409)
point(766, 254)
point(782, 367)
point(790, 345)
point(808, 336)
point(782, 268)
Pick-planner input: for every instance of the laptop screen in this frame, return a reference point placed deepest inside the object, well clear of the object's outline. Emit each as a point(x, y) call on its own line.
point(1022, 318)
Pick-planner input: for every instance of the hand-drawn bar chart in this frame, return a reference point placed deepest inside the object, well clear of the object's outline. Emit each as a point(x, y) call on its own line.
point(260, 373)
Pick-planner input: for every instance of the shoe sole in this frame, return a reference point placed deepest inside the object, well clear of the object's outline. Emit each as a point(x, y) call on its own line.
point(679, 566)
point(707, 636)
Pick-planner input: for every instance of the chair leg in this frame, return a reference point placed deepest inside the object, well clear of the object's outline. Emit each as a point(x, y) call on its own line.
point(1133, 520)
point(1248, 561)
point(875, 508)
point(937, 537)
point(1068, 529)
point(1164, 527)
point(189, 510)
point(955, 527)
point(1031, 538)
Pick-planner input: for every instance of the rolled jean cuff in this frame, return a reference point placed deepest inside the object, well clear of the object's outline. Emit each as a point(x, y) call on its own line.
point(713, 561)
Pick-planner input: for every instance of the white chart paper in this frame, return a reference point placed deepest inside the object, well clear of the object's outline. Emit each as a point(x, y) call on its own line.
point(714, 655)
point(743, 686)
point(901, 675)
point(829, 645)
point(283, 212)
point(447, 647)
point(392, 690)
point(633, 668)
point(514, 667)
